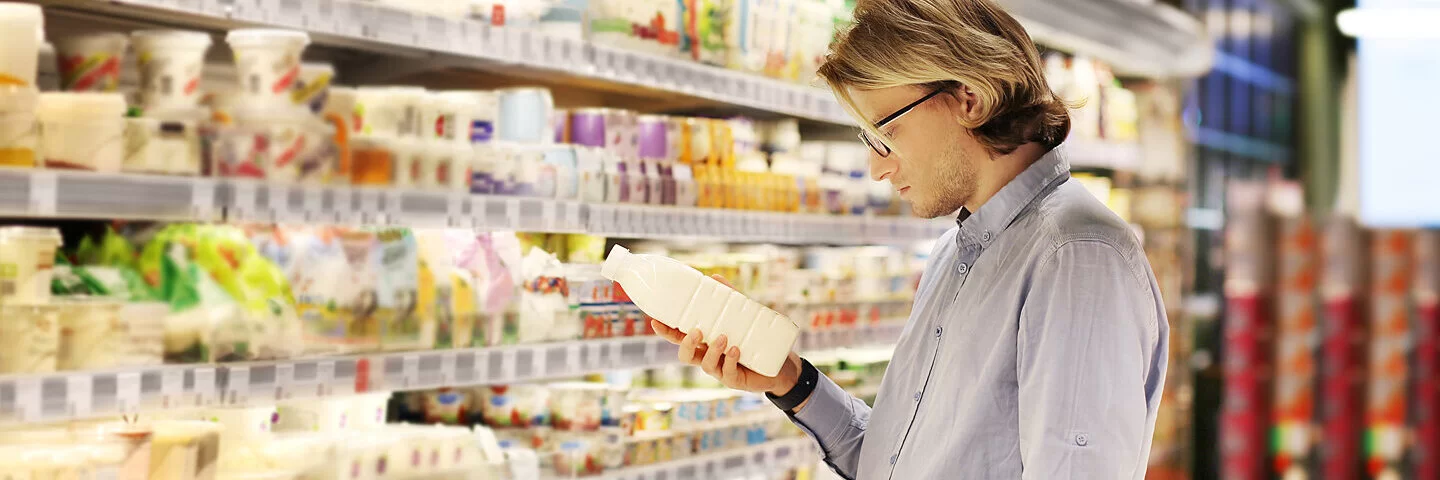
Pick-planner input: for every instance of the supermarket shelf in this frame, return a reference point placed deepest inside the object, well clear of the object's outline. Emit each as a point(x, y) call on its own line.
point(861, 336)
point(73, 395)
point(1084, 154)
point(764, 460)
point(69, 194)
point(1136, 38)
point(423, 41)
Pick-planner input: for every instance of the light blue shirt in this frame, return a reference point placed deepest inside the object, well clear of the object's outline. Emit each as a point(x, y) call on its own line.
point(1036, 349)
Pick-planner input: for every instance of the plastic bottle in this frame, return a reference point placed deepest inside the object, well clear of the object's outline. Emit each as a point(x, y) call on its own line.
point(683, 298)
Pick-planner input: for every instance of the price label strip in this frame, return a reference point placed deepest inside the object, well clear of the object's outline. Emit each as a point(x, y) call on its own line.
point(324, 378)
point(127, 393)
point(237, 387)
point(79, 396)
point(204, 386)
point(284, 381)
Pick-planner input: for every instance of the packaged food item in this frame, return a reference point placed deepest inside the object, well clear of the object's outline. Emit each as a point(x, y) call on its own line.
point(514, 406)
point(35, 329)
point(83, 131)
point(18, 133)
point(445, 405)
point(524, 115)
point(544, 306)
point(169, 144)
point(91, 63)
point(577, 406)
point(170, 64)
point(314, 415)
point(450, 116)
point(372, 161)
point(312, 89)
point(402, 326)
point(685, 299)
point(296, 146)
point(91, 334)
point(268, 63)
point(21, 31)
point(143, 339)
point(27, 261)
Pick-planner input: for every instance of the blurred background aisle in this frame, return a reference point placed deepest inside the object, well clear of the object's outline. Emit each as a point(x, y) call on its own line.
point(283, 239)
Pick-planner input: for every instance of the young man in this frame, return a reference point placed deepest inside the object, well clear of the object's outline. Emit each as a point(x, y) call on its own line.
point(1037, 344)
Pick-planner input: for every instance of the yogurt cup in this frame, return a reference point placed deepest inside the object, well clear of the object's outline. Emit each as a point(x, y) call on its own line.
point(450, 116)
point(268, 63)
point(313, 88)
point(298, 146)
point(21, 27)
point(91, 63)
point(82, 130)
point(35, 331)
point(525, 115)
point(389, 111)
point(170, 64)
point(27, 263)
point(18, 132)
point(168, 144)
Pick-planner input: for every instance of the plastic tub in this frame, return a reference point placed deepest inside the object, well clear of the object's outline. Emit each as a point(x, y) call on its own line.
point(389, 111)
point(372, 160)
point(313, 88)
point(35, 335)
point(170, 64)
point(21, 25)
point(92, 335)
point(82, 131)
point(144, 341)
point(297, 147)
point(524, 115)
point(27, 262)
point(91, 63)
point(268, 63)
point(167, 144)
point(18, 133)
point(368, 410)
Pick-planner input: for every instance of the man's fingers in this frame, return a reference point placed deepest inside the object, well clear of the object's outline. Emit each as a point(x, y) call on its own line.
point(711, 363)
point(730, 372)
point(688, 346)
point(672, 335)
point(722, 280)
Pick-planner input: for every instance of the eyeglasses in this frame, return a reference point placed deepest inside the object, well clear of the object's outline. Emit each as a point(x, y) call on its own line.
point(878, 146)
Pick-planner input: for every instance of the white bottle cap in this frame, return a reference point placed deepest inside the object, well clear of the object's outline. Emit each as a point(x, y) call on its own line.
point(617, 256)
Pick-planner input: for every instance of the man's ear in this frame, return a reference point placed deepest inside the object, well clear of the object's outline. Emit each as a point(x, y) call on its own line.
point(966, 106)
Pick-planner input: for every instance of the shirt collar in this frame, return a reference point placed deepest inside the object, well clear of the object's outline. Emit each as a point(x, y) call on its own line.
point(985, 224)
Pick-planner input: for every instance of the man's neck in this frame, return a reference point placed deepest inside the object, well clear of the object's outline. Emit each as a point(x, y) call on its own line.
point(999, 170)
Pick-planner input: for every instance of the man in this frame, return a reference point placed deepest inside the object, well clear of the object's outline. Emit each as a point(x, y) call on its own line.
point(1037, 344)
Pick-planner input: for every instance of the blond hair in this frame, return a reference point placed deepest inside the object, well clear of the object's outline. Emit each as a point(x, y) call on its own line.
point(945, 44)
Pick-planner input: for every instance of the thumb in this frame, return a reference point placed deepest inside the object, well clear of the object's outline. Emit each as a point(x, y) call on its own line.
point(722, 280)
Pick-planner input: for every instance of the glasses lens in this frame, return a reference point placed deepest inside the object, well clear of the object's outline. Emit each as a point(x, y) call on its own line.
point(879, 148)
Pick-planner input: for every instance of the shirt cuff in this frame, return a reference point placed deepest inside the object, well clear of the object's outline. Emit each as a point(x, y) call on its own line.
point(828, 413)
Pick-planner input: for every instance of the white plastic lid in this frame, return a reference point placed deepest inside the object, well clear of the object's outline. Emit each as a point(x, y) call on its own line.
point(23, 233)
point(262, 36)
point(80, 106)
point(171, 38)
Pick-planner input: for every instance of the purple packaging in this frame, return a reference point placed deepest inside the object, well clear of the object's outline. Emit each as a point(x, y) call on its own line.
point(653, 137)
point(588, 126)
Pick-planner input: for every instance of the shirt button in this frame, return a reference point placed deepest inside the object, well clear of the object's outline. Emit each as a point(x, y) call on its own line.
point(985, 236)
point(917, 396)
point(964, 268)
point(1082, 439)
point(938, 330)
point(893, 458)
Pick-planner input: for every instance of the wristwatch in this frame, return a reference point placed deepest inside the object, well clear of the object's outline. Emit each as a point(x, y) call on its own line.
point(809, 376)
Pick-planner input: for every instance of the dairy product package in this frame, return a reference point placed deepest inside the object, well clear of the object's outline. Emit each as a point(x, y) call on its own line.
point(36, 333)
point(436, 283)
point(319, 275)
point(544, 308)
point(360, 304)
point(683, 298)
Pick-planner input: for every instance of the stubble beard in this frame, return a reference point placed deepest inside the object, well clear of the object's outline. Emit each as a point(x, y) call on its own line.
point(955, 182)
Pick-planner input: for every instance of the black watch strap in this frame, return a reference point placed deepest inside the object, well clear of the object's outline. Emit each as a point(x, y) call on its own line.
point(809, 377)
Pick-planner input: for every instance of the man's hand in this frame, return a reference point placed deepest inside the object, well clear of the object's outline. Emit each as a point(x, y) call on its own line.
point(721, 360)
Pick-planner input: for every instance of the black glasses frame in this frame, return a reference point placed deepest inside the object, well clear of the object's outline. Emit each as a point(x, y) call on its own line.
point(878, 146)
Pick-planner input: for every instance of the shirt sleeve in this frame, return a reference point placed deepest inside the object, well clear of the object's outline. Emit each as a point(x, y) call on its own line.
point(837, 421)
point(1087, 336)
